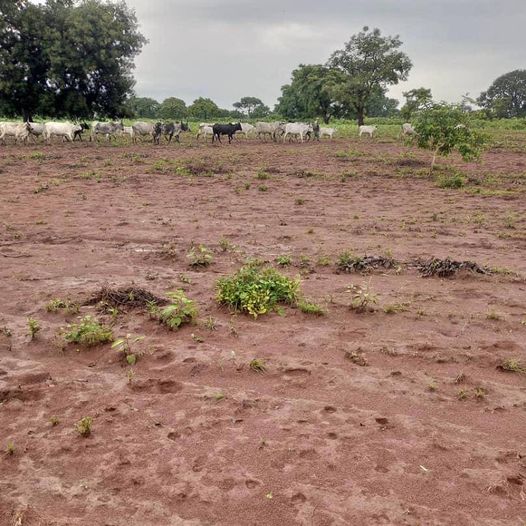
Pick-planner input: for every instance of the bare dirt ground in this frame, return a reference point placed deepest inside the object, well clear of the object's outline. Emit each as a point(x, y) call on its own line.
point(397, 416)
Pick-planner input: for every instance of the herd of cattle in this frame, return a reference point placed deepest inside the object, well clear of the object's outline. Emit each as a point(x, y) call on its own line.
point(276, 131)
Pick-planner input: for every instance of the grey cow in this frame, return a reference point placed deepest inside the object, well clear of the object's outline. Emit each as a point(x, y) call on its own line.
point(109, 129)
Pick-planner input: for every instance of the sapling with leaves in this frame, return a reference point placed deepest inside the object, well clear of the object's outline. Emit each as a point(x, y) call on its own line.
point(125, 344)
point(444, 128)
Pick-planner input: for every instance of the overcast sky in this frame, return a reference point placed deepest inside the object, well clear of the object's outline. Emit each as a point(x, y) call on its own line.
point(227, 49)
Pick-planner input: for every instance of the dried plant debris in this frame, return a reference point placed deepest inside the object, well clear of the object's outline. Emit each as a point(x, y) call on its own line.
point(444, 268)
point(347, 262)
point(125, 297)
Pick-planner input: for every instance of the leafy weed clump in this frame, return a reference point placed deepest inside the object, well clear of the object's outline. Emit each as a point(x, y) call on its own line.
point(362, 299)
point(181, 310)
point(255, 290)
point(512, 365)
point(454, 180)
point(84, 425)
point(88, 332)
point(309, 307)
point(257, 365)
point(57, 305)
point(124, 345)
point(284, 260)
point(33, 327)
point(200, 256)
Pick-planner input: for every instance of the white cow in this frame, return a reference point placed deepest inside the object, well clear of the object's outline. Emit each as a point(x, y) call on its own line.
point(147, 129)
point(267, 128)
point(367, 130)
point(205, 130)
point(297, 128)
point(407, 129)
point(128, 130)
point(66, 130)
point(20, 131)
point(327, 132)
point(246, 129)
point(36, 129)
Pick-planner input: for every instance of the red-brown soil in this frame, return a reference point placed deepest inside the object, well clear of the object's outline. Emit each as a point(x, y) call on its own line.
point(196, 437)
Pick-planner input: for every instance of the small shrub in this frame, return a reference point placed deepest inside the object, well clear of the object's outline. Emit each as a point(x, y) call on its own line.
point(124, 345)
point(394, 308)
point(263, 188)
point(462, 394)
point(512, 365)
point(262, 175)
point(480, 393)
point(88, 332)
point(362, 299)
point(54, 421)
point(256, 290)
point(450, 181)
point(283, 261)
point(33, 327)
point(57, 305)
point(324, 261)
point(211, 323)
point(299, 201)
point(257, 365)
point(493, 315)
point(225, 245)
point(200, 256)
point(309, 307)
point(84, 425)
point(10, 449)
point(180, 311)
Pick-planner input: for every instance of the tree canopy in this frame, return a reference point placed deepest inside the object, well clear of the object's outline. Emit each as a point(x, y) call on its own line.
point(314, 92)
point(203, 108)
point(172, 108)
point(368, 62)
point(506, 97)
point(144, 107)
point(416, 100)
point(310, 93)
point(444, 128)
point(67, 58)
point(252, 107)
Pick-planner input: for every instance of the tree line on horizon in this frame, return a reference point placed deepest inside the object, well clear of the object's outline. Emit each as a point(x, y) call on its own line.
point(75, 58)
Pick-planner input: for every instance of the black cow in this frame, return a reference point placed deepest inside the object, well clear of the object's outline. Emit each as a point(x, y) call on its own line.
point(78, 133)
point(157, 131)
point(225, 129)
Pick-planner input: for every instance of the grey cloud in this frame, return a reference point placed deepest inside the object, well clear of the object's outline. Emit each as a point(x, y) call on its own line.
point(226, 49)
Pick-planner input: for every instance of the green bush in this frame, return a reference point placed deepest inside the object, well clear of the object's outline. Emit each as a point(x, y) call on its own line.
point(200, 256)
point(88, 332)
point(256, 290)
point(180, 311)
point(450, 181)
point(309, 307)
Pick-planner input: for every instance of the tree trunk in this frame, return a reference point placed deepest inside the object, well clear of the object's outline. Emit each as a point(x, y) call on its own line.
point(434, 159)
point(361, 116)
point(27, 116)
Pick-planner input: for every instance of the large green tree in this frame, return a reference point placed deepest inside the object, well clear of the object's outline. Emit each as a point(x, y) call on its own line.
point(368, 62)
point(506, 97)
point(252, 107)
point(67, 57)
point(416, 100)
point(204, 109)
point(144, 107)
point(310, 93)
point(172, 108)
